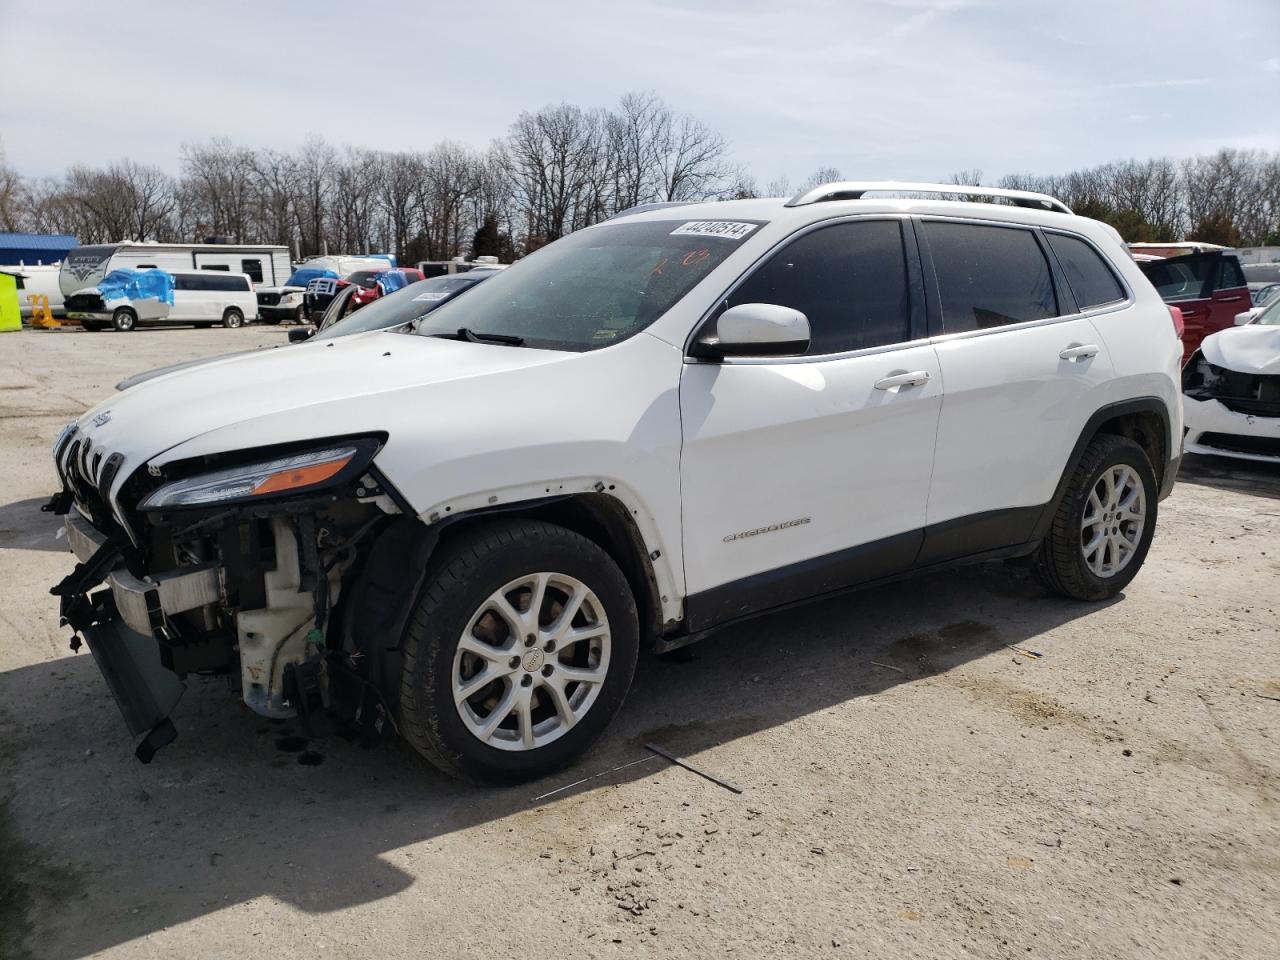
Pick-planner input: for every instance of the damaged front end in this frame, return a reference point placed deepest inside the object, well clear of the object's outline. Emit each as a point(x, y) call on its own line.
point(236, 565)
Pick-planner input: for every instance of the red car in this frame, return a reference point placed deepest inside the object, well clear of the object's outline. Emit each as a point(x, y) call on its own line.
point(374, 283)
point(1208, 288)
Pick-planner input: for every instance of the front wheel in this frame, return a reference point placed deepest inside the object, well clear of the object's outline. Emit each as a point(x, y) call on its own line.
point(519, 653)
point(1103, 526)
point(233, 318)
point(124, 319)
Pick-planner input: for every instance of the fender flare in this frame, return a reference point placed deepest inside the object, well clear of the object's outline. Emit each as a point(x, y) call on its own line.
point(1121, 408)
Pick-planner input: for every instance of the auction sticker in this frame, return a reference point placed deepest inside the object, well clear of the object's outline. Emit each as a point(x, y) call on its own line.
point(725, 229)
point(432, 295)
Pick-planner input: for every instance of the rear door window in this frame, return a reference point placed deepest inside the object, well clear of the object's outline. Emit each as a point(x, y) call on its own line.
point(848, 279)
point(1181, 278)
point(1088, 275)
point(989, 276)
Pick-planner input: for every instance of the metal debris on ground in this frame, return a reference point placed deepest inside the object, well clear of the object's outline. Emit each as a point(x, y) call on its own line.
point(887, 666)
point(594, 776)
point(1033, 654)
point(680, 762)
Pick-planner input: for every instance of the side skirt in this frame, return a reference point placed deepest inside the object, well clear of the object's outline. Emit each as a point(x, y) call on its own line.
point(995, 535)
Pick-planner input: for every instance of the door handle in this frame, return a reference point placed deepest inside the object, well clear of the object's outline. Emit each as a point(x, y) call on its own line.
point(1230, 299)
point(915, 379)
point(1079, 351)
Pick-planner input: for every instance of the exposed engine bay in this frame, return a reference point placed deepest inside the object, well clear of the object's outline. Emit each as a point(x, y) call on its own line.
point(243, 570)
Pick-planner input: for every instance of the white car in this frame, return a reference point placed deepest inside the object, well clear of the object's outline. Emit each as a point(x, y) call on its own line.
point(1231, 391)
point(467, 529)
point(200, 297)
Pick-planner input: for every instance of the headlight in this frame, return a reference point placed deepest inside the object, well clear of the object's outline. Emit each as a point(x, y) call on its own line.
point(294, 473)
point(291, 298)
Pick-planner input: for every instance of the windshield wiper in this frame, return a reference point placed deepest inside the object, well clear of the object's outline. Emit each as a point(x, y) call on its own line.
point(472, 336)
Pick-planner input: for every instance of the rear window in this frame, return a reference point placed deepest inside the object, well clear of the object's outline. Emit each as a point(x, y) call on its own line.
point(989, 276)
point(1088, 275)
point(253, 268)
point(1180, 278)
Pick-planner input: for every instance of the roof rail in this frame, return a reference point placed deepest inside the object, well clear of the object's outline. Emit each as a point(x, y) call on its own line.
point(856, 189)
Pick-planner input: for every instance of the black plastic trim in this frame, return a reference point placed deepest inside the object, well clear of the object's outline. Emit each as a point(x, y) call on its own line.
point(800, 581)
point(1110, 411)
point(980, 532)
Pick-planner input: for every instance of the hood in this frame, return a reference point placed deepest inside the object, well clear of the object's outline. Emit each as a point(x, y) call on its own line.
point(356, 384)
point(281, 289)
point(1251, 349)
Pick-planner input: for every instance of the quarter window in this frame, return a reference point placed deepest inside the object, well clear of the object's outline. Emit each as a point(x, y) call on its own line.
point(1089, 277)
point(1231, 275)
point(989, 276)
point(849, 279)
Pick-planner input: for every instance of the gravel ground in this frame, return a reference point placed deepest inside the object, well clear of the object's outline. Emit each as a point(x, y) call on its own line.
point(912, 787)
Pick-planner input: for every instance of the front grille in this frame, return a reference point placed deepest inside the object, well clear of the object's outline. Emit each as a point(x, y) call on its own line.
point(268, 299)
point(1264, 446)
point(82, 468)
point(83, 301)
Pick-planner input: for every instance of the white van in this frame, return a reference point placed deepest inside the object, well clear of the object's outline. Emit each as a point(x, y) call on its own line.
point(85, 266)
point(200, 297)
point(285, 301)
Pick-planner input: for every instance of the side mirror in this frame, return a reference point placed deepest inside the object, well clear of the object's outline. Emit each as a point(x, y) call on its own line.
point(1243, 318)
point(299, 334)
point(755, 330)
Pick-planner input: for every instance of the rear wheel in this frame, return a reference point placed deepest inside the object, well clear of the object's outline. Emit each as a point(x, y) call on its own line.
point(124, 319)
point(232, 318)
point(1103, 526)
point(519, 652)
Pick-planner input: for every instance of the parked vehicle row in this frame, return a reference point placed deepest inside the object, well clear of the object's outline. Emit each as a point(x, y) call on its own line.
point(465, 529)
point(1209, 290)
point(287, 301)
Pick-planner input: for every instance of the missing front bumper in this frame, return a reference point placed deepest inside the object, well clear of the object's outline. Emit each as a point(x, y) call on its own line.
point(144, 690)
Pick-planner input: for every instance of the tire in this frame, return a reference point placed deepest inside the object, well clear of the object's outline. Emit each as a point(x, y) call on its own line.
point(124, 319)
point(93, 326)
point(465, 577)
point(274, 321)
point(1064, 562)
point(233, 318)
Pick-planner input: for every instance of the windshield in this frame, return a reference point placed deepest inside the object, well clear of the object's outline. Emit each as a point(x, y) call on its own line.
point(305, 275)
point(404, 305)
point(1269, 317)
point(365, 278)
point(596, 287)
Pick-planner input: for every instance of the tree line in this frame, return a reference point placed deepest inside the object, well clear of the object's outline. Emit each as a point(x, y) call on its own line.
point(556, 170)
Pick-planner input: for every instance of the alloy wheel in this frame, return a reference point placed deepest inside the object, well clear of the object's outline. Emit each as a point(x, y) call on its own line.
point(1114, 516)
point(531, 661)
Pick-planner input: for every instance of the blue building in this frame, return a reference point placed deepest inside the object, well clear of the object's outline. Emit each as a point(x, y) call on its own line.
point(33, 248)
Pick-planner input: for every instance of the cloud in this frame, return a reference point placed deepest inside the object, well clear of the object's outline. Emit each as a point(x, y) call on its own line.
point(1271, 65)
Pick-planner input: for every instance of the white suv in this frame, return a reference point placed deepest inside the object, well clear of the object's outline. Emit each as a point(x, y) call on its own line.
point(466, 528)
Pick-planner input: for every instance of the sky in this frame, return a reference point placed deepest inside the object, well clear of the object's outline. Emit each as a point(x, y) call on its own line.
point(879, 89)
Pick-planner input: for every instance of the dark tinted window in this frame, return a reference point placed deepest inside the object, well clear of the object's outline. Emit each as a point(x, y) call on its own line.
point(253, 268)
point(145, 266)
point(989, 276)
point(1088, 275)
point(210, 281)
point(1231, 275)
point(849, 279)
point(1180, 278)
point(216, 266)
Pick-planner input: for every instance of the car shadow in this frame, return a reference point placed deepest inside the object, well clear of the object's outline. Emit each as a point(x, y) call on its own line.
point(224, 816)
point(1231, 473)
point(24, 527)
